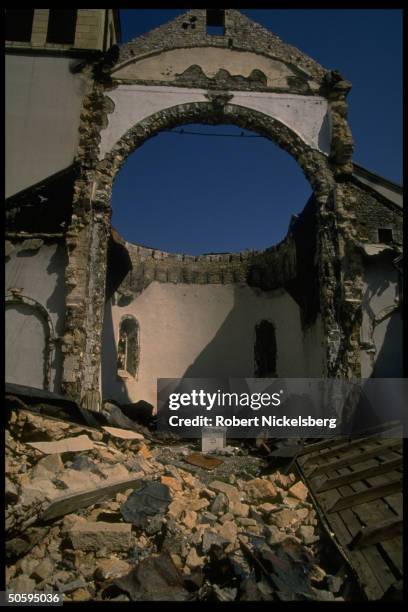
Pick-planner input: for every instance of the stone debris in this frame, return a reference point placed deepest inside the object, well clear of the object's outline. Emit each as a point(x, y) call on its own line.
point(80, 443)
point(86, 535)
point(167, 530)
point(123, 434)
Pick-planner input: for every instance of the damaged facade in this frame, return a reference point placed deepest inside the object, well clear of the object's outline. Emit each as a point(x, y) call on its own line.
point(94, 317)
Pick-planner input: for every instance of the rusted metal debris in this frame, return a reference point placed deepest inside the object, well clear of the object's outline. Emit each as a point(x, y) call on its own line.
point(203, 461)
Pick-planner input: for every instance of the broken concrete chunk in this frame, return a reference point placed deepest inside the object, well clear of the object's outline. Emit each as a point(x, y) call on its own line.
point(52, 464)
point(173, 483)
point(306, 532)
point(198, 504)
point(123, 434)
point(234, 498)
point(190, 519)
point(22, 584)
point(260, 490)
point(283, 518)
point(274, 535)
point(68, 587)
point(67, 445)
point(115, 472)
point(229, 490)
point(220, 504)
point(111, 568)
point(207, 517)
point(77, 481)
point(96, 536)
point(36, 489)
point(43, 570)
point(299, 491)
point(81, 594)
point(267, 508)
point(154, 579)
point(228, 531)
point(193, 560)
point(210, 539)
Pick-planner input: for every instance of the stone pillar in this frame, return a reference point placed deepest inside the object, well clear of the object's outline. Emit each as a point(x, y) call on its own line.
point(87, 240)
point(85, 275)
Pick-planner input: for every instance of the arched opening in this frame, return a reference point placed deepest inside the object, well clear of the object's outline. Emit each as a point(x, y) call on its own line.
point(198, 312)
point(128, 347)
point(207, 189)
point(214, 290)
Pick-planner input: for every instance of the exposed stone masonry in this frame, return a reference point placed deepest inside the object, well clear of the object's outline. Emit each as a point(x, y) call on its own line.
point(189, 30)
point(274, 267)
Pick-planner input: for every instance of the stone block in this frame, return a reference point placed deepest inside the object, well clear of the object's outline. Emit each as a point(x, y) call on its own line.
point(96, 536)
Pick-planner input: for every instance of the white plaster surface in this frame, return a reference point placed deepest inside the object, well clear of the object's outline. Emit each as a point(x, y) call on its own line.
point(26, 336)
point(167, 65)
point(40, 275)
point(43, 103)
point(307, 116)
point(383, 341)
point(200, 331)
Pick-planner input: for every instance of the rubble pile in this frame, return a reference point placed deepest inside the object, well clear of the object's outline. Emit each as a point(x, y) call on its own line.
point(108, 514)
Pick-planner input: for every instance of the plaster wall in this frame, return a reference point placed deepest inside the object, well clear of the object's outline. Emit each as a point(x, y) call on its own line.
point(170, 64)
point(43, 104)
point(381, 329)
point(40, 276)
point(199, 331)
point(26, 338)
point(308, 116)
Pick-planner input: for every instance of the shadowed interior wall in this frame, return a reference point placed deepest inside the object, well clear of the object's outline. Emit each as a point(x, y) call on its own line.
point(26, 339)
point(381, 330)
point(40, 276)
point(198, 331)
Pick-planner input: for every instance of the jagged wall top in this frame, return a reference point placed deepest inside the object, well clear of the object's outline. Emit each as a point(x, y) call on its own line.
point(241, 33)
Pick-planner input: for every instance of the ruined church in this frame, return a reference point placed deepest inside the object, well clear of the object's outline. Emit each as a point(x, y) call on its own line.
point(94, 317)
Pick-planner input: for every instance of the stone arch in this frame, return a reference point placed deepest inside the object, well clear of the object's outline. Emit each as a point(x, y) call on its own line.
point(32, 308)
point(313, 163)
point(90, 225)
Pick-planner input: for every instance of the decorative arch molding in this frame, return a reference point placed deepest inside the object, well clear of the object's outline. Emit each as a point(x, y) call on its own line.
point(314, 164)
point(15, 298)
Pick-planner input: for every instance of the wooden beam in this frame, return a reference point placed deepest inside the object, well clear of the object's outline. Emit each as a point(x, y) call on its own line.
point(316, 446)
point(351, 445)
point(339, 481)
point(370, 434)
point(365, 496)
point(69, 503)
point(374, 533)
point(387, 445)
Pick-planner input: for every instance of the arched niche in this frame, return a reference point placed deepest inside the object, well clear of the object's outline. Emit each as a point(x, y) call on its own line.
point(30, 342)
point(128, 349)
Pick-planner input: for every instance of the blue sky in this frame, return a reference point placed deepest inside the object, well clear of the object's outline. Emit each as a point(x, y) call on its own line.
point(197, 194)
